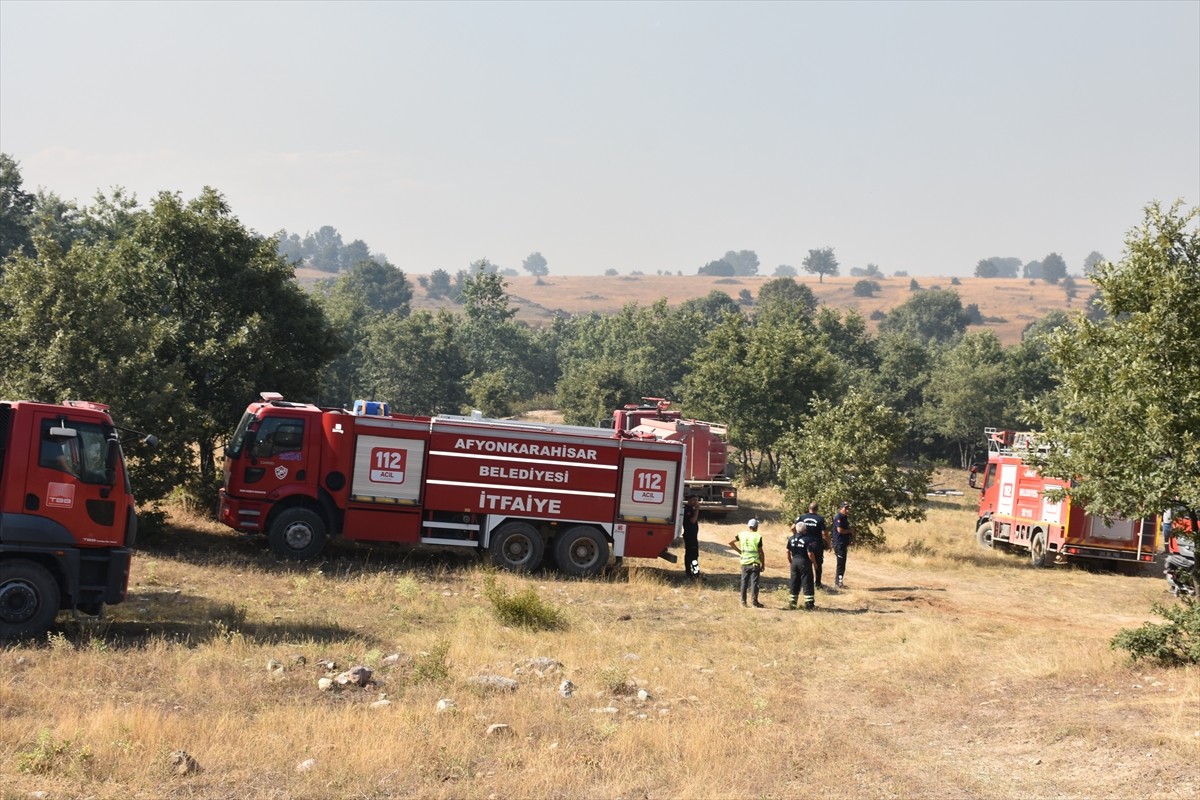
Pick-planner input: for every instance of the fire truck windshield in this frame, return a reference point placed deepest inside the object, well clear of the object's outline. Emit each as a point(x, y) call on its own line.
point(240, 435)
point(82, 455)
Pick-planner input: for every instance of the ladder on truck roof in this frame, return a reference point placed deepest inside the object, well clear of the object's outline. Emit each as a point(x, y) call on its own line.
point(1014, 443)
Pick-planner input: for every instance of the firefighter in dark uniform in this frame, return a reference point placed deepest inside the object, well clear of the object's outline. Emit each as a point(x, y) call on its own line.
point(814, 524)
point(691, 538)
point(804, 552)
point(843, 534)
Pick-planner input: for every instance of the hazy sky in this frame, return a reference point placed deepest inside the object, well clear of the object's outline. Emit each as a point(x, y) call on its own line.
point(638, 136)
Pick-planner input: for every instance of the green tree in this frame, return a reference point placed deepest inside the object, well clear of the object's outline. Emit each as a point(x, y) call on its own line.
point(720, 268)
point(821, 263)
point(986, 268)
point(968, 389)
point(744, 262)
point(535, 264)
point(936, 315)
point(783, 300)
point(1125, 416)
point(590, 390)
point(439, 283)
point(234, 321)
point(866, 288)
point(16, 207)
point(1054, 268)
point(176, 326)
point(417, 363)
point(712, 307)
point(849, 450)
point(1090, 262)
point(759, 379)
point(785, 271)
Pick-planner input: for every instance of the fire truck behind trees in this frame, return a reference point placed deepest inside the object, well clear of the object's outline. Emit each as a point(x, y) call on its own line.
point(1016, 514)
point(67, 519)
point(517, 491)
point(707, 472)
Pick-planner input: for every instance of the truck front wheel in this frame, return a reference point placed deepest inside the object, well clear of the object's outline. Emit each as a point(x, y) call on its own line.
point(29, 599)
point(297, 534)
point(983, 535)
point(581, 551)
point(1037, 549)
point(517, 547)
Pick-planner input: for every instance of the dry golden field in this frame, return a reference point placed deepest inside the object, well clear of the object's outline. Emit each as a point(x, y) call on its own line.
point(942, 671)
point(1017, 301)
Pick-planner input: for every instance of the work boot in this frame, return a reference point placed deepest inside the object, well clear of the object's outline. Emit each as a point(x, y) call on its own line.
point(809, 606)
point(758, 604)
point(792, 602)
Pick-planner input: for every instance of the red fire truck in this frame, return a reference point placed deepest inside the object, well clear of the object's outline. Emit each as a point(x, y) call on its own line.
point(67, 519)
point(707, 471)
point(300, 474)
point(1014, 512)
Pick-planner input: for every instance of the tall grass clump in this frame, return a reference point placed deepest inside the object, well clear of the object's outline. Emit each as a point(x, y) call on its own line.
point(523, 609)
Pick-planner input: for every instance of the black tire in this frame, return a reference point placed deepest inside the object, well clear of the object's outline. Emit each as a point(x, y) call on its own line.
point(29, 599)
point(983, 535)
point(1038, 556)
point(581, 551)
point(297, 534)
point(517, 547)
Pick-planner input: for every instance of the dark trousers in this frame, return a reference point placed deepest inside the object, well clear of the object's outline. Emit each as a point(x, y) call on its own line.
point(691, 552)
point(750, 581)
point(802, 574)
point(840, 548)
point(818, 557)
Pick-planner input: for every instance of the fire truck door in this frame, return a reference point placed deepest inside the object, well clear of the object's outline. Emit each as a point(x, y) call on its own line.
point(68, 482)
point(278, 455)
point(1008, 489)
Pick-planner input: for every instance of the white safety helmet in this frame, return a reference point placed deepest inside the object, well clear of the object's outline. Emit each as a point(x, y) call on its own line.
point(752, 524)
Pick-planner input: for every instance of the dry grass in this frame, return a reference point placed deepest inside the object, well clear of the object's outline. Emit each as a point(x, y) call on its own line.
point(943, 671)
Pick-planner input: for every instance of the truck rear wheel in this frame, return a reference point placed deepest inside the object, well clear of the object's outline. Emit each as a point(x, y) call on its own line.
point(983, 535)
point(517, 547)
point(581, 551)
point(1037, 550)
point(297, 534)
point(29, 599)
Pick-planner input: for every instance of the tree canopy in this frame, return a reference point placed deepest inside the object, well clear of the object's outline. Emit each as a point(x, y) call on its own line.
point(1124, 417)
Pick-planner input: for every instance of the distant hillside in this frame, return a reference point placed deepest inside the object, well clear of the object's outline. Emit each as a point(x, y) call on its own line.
point(1015, 300)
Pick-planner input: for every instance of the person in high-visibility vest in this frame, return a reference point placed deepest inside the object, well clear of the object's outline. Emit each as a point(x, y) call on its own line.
point(749, 544)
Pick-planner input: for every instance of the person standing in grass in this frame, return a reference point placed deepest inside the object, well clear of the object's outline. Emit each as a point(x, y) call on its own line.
point(691, 538)
point(749, 544)
point(843, 534)
point(804, 555)
point(814, 526)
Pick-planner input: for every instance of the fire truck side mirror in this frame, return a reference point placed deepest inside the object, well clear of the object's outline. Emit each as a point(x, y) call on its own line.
point(971, 477)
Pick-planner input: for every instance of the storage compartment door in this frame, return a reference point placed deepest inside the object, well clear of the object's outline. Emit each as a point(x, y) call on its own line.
point(648, 490)
point(387, 470)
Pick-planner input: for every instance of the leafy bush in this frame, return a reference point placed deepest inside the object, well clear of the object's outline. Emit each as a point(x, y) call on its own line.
point(50, 756)
point(1174, 644)
point(866, 288)
point(523, 609)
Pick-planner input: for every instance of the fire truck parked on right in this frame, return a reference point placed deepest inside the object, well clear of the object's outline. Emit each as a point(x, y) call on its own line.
point(1016, 514)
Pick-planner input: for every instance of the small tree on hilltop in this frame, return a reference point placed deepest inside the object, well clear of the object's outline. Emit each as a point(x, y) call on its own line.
point(535, 264)
point(821, 263)
point(849, 452)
